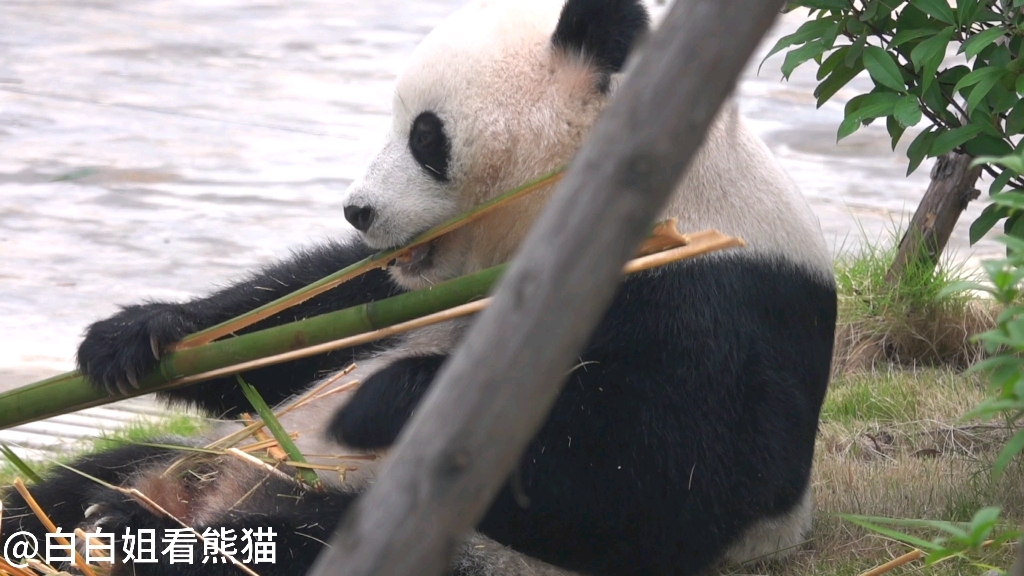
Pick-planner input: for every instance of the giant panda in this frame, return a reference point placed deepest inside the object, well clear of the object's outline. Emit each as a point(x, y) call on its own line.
point(683, 437)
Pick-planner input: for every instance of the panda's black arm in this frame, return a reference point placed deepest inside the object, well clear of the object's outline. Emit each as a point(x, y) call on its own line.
point(383, 404)
point(117, 351)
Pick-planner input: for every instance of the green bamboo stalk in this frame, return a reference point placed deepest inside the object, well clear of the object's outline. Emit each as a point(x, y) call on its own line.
point(70, 392)
point(275, 427)
point(378, 260)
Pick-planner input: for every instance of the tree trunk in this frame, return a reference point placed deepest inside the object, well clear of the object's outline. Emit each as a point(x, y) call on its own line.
point(951, 189)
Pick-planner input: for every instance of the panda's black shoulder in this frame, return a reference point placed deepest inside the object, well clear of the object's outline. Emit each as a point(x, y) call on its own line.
point(732, 300)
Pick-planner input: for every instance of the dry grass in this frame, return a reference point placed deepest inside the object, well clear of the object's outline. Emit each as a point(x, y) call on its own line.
point(891, 444)
point(909, 322)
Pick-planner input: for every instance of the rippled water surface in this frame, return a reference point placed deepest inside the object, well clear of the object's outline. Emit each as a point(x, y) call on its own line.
point(156, 148)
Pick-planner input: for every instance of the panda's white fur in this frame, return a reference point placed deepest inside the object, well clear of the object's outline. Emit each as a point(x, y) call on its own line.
point(516, 109)
point(513, 106)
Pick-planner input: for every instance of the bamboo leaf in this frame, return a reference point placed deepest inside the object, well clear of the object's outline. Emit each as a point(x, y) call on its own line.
point(277, 430)
point(20, 464)
point(912, 540)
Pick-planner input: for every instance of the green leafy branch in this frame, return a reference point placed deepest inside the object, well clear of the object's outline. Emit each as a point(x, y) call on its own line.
point(955, 539)
point(972, 102)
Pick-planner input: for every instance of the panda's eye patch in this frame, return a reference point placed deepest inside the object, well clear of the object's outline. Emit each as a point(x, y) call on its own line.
point(429, 145)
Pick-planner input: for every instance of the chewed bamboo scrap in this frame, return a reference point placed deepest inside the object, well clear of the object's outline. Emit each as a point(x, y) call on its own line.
point(235, 437)
point(272, 446)
point(268, 444)
point(250, 459)
point(915, 554)
point(665, 235)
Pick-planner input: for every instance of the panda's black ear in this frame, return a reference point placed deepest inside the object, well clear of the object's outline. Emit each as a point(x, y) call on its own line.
point(601, 30)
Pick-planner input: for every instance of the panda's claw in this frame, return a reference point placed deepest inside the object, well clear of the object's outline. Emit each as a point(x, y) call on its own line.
point(119, 351)
point(154, 345)
point(132, 379)
point(91, 510)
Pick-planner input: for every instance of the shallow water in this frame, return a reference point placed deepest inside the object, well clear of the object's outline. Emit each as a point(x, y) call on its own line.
point(156, 148)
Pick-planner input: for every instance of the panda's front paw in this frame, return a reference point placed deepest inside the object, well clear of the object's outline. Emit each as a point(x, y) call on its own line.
point(122, 517)
point(120, 350)
point(112, 511)
point(381, 406)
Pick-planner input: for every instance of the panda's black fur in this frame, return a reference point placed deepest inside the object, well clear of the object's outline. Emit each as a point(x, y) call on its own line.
point(689, 418)
point(118, 350)
point(603, 31)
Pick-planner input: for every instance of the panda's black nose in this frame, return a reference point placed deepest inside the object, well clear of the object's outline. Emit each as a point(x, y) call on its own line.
point(359, 216)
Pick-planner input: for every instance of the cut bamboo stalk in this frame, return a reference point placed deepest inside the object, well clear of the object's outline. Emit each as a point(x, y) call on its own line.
point(895, 563)
point(71, 392)
point(915, 554)
point(701, 243)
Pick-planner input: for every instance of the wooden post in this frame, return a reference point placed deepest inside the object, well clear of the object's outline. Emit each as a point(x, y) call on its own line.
point(1018, 567)
point(496, 390)
point(951, 189)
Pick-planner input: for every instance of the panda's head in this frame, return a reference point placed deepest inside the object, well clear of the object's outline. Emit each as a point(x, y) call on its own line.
point(500, 93)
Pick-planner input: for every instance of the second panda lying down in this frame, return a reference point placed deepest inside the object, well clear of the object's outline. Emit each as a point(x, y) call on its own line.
point(686, 433)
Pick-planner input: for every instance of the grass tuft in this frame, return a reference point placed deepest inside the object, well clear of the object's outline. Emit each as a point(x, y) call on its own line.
point(137, 431)
point(907, 322)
